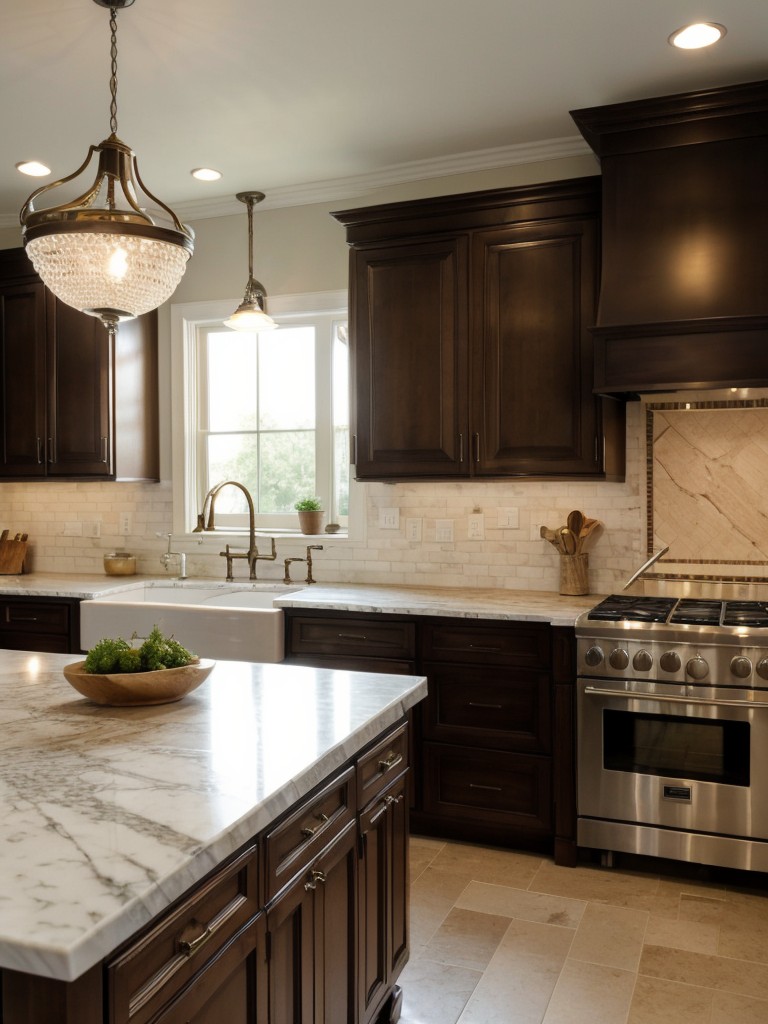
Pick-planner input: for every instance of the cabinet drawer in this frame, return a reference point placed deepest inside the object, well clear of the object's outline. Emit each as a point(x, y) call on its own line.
point(34, 617)
point(505, 708)
point(380, 638)
point(296, 842)
point(154, 969)
point(355, 664)
point(488, 786)
point(524, 645)
point(382, 764)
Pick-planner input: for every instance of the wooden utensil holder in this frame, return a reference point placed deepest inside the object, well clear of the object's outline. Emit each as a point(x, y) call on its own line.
point(574, 574)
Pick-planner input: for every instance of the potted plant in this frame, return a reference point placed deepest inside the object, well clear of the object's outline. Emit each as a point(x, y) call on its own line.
point(310, 515)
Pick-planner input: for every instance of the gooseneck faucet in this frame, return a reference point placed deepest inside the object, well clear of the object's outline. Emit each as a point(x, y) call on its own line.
point(252, 554)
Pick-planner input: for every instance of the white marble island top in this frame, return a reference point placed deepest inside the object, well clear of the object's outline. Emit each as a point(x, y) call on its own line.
point(107, 815)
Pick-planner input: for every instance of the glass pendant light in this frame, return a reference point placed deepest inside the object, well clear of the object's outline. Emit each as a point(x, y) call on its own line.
point(250, 315)
point(102, 252)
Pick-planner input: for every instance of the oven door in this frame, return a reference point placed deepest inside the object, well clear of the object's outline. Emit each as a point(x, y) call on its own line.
point(655, 754)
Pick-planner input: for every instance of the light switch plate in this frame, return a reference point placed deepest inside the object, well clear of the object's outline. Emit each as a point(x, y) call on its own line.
point(476, 526)
point(444, 530)
point(389, 518)
point(508, 519)
point(413, 528)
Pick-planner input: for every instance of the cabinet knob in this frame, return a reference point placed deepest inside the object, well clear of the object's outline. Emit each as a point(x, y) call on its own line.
point(389, 762)
point(315, 878)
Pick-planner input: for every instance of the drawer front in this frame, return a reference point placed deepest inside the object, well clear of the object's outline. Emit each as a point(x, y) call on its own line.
point(34, 617)
point(296, 842)
point(354, 664)
point(523, 645)
point(154, 969)
point(488, 786)
point(380, 638)
point(382, 764)
point(508, 709)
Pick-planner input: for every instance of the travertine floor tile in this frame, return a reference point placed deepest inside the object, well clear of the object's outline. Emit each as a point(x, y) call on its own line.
point(744, 930)
point(435, 993)
point(702, 909)
point(602, 885)
point(422, 853)
point(728, 1008)
point(696, 936)
point(656, 1001)
point(518, 983)
point(611, 936)
point(717, 972)
point(590, 994)
point(432, 898)
point(488, 864)
point(521, 904)
point(466, 939)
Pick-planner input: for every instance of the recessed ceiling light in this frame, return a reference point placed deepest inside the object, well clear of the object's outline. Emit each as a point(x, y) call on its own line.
point(33, 168)
point(694, 37)
point(205, 174)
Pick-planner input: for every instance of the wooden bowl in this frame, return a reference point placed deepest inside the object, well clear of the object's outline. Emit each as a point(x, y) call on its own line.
point(124, 689)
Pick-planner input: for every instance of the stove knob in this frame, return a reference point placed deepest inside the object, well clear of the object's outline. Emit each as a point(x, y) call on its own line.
point(642, 661)
point(619, 658)
point(697, 668)
point(741, 667)
point(670, 661)
point(762, 668)
point(593, 657)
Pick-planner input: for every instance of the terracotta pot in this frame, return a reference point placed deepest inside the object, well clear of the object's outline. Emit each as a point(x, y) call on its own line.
point(311, 522)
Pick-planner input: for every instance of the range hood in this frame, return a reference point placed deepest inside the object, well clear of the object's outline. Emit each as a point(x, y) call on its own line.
point(684, 286)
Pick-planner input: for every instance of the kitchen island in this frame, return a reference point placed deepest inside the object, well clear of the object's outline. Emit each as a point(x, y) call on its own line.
point(113, 816)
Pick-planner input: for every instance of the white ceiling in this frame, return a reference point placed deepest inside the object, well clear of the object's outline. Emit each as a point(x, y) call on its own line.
point(290, 95)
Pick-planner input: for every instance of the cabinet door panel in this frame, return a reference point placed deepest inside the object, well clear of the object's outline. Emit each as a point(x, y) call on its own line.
point(409, 353)
point(23, 387)
point(534, 291)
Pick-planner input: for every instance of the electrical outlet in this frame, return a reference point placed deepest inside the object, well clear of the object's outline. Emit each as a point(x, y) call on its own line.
point(389, 518)
point(413, 529)
point(476, 526)
point(124, 526)
point(72, 530)
point(92, 529)
point(508, 519)
point(444, 530)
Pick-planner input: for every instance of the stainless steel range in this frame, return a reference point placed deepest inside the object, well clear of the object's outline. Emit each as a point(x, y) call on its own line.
point(673, 727)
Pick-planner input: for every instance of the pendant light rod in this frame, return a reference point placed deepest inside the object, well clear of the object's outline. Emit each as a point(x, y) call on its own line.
point(250, 315)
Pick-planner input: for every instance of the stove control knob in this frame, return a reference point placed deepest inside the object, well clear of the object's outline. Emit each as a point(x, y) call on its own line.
point(642, 661)
point(697, 668)
point(619, 658)
point(593, 657)
point(741, 667)
point(670, 661)
point(762, 668)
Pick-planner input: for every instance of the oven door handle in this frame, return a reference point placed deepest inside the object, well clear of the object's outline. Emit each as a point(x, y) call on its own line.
point(627, 694)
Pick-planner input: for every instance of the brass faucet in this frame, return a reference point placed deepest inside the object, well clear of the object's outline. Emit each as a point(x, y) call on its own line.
point(287, 577)
point(310, 549)
point(207, 524)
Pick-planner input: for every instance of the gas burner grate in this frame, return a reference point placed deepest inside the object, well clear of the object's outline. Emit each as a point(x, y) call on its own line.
point(746, 613)
point(633, 608)
point(697, 612)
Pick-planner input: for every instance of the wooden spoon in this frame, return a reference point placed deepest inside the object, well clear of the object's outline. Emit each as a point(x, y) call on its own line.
point(575, 522)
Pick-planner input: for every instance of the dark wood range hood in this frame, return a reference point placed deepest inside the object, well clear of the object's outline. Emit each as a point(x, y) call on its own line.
point(684, 284)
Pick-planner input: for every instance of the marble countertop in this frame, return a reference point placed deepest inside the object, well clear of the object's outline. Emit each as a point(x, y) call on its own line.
point(107, 815)
point(520, 605)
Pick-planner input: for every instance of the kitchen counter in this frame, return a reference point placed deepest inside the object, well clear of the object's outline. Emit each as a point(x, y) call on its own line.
point(512, 605)
point(109, 814)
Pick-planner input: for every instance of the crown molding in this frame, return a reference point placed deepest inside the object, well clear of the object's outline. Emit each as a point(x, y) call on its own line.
point(336, 189)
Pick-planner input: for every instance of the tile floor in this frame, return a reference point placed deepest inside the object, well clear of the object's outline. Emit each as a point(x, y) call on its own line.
point(503, 937)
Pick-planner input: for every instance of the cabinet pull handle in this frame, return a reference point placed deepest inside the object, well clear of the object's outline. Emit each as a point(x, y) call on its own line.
point(476, 442)
point(190, 948)
point(390, 761)
point(315, 878)
point(480, 647)
point(309, 832)
point(351, 636)
point(394, 800)
point(461, 447)
point(51, 450)
point(380, 813)
point(104, 450)
point(477, 704)
point(353, 449)
point(39, 451)
point(492, 789)
point(19, 618)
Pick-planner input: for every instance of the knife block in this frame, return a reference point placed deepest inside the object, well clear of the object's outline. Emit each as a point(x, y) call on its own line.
point(574, 574)
point(12, 554)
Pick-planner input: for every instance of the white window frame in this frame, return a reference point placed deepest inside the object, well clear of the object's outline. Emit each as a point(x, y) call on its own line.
point(185, 319)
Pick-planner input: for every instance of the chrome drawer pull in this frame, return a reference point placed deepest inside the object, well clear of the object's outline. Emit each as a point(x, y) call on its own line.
point(491, 789)
point(309, 832)
point(315, 877)
point(390, 761)
point(190, 948)
point(492, 707)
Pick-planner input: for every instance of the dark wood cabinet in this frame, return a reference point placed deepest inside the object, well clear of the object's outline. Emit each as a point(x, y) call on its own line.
point(40, 624)
point(73, 402)
point(471, 354)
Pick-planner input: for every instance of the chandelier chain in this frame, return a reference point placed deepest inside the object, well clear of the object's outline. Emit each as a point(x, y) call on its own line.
point(113, 78)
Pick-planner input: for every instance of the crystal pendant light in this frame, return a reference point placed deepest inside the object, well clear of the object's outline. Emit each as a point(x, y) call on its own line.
point(250, 315)
point(102, 252)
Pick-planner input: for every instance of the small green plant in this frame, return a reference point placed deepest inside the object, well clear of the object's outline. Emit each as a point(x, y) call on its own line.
point(118, 655)
point(309, 505)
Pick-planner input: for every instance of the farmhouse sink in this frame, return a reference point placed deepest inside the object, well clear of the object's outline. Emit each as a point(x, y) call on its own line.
point(234, 621)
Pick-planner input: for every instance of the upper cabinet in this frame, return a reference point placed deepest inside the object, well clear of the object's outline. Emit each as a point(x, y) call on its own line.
point(471, 354)
point(73, 404)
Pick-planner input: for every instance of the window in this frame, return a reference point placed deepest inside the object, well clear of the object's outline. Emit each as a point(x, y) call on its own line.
point(270, 410)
